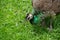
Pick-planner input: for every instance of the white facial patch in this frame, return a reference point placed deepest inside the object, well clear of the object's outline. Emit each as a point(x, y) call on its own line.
point(30, 16)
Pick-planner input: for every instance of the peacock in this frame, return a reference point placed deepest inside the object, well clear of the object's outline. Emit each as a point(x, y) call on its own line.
point(42, 10)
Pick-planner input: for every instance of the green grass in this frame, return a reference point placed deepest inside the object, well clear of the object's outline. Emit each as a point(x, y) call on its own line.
point(13, 26)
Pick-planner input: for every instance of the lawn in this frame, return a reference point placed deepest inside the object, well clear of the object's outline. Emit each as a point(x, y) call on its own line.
point(14, 27)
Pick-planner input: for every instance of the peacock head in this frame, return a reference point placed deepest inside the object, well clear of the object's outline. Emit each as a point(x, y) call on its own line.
point(34, 19)
point(29, 16)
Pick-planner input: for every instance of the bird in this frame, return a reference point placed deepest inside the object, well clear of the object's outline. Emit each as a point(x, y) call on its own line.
point(43, 9)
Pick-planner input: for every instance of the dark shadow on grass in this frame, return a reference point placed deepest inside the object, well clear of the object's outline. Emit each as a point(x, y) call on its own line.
point(39, 30)
point(57, 22)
